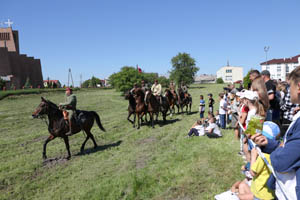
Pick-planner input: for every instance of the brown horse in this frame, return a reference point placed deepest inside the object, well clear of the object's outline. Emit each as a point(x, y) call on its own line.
point(185, 100)
point(132, 105)
point(153, 106)
point(141, 108)
point(58, 127)
point(172, 100)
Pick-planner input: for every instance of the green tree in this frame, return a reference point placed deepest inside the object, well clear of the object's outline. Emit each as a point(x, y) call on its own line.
point(165, 82)
point(125, 79)
point(91, 83)
point(183, 68)
point(246, 80)
point(27, 83)
point(220, 80)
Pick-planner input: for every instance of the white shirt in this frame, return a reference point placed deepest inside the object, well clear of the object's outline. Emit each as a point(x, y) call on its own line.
point(200, 129)
point(215, 128)
point(224, 105)
point(251, 113)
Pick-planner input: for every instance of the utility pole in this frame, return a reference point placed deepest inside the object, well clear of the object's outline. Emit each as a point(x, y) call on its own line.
point(80, 80)
point(70, 78)
point(266, 49)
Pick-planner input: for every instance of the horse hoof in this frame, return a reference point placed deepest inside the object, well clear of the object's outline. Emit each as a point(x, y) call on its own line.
point(68, 157)
point(44, 157)
point(81, 150)
point(138, 127)
point(95, 147)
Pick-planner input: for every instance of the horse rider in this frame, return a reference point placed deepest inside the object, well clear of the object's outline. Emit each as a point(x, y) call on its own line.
point(69, 108)
point(156, 91)
point(135, 87)
point(185, 90)
point(144, 86)
point(172, 88)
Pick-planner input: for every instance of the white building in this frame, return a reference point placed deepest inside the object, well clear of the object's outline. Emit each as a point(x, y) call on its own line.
point(230, 74)
point(278, 68)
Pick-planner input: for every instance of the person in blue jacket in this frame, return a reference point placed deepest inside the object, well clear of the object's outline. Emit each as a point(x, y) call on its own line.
point(285, 156)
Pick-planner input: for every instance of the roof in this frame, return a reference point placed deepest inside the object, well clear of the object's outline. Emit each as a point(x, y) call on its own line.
point(282, 60)
point(206, 77)
point(54, 81)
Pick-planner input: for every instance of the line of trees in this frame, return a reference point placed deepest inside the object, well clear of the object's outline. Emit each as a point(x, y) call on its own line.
point(183, 70)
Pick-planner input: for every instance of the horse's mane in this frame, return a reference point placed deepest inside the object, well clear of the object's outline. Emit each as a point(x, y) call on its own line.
point(52, 104)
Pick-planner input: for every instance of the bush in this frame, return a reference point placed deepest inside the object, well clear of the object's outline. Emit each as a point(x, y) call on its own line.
point(220, 81)
point(247, 80)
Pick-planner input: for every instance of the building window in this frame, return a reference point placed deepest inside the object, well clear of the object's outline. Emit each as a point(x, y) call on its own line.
point(278, 68)
point(228, 70)
point(287, 69)
point(228, 78)
point(4, 36)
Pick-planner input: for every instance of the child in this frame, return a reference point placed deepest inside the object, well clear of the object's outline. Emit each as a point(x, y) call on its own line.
point(201, 108)
point(211, 102)
point(197, 129)
point(217, 118)
point(222, 111)
point(285, 156)
point(213, 131)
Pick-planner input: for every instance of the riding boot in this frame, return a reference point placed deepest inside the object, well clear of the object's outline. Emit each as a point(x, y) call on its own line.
point(70, 128)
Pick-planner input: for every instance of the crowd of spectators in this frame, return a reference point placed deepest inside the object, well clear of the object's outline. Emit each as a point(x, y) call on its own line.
point(272, 158)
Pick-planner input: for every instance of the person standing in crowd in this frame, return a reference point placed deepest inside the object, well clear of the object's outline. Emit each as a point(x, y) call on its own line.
point(222, 111)
point(202, 108)
point(258, 85)
point(211, 102)
point(288, 109)
point(156, 91)
point(252, 76)
point(234, 109)
point(273, 113)
point(285, 155)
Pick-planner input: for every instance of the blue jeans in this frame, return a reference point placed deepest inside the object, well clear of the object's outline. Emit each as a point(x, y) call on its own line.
point(223, 121)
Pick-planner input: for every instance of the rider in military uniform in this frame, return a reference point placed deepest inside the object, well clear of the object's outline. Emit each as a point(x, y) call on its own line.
point(144, 86)
point(156, 91)
point(70, 107)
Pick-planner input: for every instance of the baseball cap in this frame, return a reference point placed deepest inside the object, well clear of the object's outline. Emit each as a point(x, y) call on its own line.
point(270, 130)
point(248, 94)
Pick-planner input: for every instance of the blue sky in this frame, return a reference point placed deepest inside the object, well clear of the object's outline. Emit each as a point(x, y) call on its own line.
point(98, 37)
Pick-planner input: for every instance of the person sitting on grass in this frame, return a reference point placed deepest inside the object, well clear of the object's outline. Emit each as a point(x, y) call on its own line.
point(213, 131)
point(197, 129)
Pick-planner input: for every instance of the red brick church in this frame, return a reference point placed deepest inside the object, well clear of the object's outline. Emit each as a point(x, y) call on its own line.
point(16, 68)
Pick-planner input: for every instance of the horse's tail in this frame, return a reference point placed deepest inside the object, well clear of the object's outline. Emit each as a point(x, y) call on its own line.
point(98, 120)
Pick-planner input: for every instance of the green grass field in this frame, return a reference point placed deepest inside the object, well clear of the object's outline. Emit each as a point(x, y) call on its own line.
point(157, 163)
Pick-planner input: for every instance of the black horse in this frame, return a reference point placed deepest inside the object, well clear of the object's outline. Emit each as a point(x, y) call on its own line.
point(132, 105)
point(185, 100)
point(58, 127)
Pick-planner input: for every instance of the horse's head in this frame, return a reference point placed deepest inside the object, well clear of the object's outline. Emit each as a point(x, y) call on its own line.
point(127, 95)
point(168, 93)
point(43, 108)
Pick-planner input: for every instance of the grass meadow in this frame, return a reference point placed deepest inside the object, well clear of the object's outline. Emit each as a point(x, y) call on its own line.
point(148, 163)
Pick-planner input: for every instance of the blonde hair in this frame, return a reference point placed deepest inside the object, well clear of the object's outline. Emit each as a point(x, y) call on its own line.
point(259, 86)
point(260, 110)
point(281, 87)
